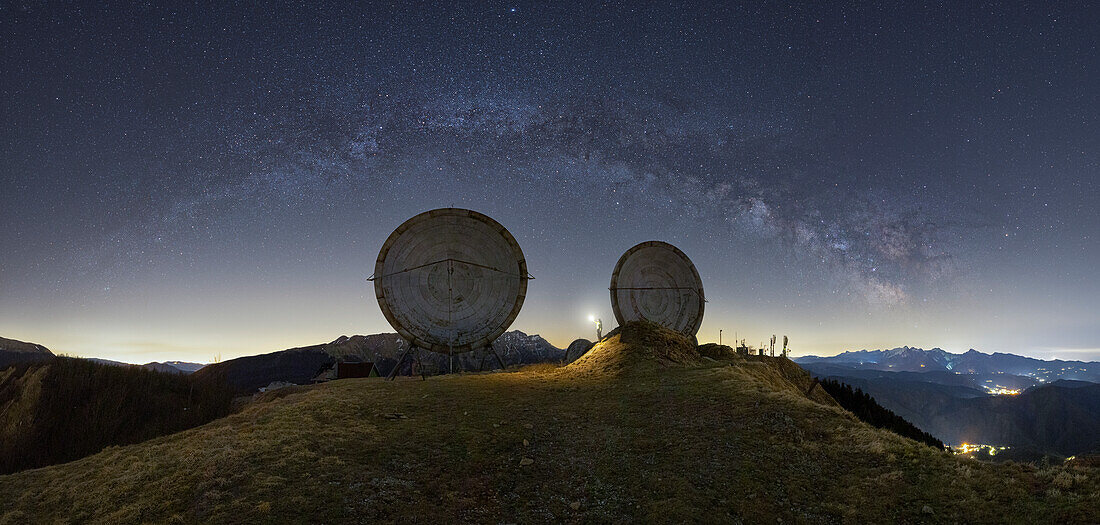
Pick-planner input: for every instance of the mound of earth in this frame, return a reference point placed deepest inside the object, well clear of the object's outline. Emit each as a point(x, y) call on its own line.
point(642, 428)
point(717, 351)
point(637, 347)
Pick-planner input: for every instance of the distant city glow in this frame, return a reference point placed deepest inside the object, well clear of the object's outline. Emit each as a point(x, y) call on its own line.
point(967, 448)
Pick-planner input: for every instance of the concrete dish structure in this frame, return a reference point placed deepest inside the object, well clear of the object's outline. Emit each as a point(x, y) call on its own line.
point(450, 280)
point(655, 281)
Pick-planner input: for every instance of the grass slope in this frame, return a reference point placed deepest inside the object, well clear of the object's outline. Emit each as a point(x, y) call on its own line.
point(640, 428)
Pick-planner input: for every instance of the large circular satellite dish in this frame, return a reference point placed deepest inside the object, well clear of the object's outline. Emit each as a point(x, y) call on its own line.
point(450, 280)
point(655, 281)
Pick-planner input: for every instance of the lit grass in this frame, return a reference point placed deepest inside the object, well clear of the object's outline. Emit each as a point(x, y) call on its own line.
point(734, 440)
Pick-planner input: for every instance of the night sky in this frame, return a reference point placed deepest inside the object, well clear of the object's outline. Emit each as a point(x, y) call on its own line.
point(200, 182)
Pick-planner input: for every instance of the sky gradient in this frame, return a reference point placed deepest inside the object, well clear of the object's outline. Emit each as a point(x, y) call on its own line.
point(200, 183)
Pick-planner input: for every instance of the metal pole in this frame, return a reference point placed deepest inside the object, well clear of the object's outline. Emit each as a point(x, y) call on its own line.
point(393, 373)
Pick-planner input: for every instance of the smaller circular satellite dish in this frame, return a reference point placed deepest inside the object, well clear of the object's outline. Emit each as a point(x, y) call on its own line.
point(656, 282)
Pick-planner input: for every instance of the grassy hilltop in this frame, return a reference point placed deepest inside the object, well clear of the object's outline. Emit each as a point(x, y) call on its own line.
point(643, 427)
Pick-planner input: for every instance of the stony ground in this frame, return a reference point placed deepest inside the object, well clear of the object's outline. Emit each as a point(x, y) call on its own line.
point(644, 431)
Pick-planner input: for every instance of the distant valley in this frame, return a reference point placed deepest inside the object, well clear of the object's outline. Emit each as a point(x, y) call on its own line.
point(1032, 406)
